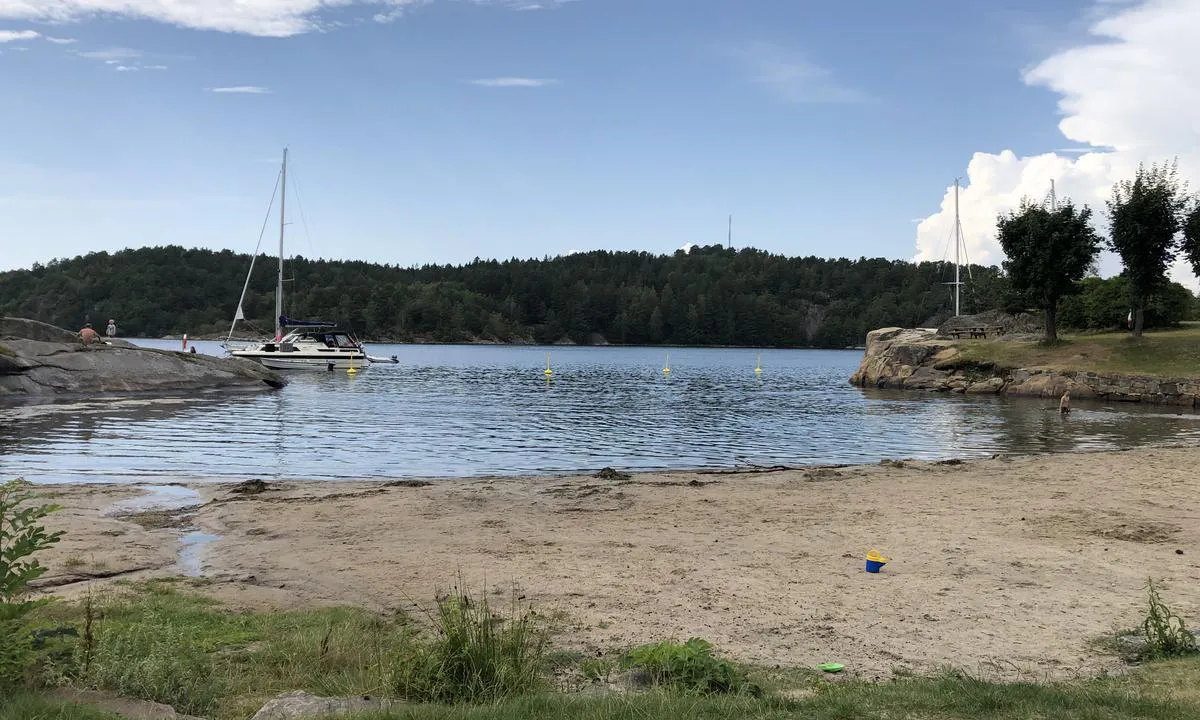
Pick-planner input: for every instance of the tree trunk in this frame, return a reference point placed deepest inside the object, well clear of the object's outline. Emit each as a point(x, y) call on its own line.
point(1052, 323)
point(1138, 320)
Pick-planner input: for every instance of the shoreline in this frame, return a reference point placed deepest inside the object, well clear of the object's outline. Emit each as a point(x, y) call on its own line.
point(200, 481)
point(508, 343)
point(1014, 565)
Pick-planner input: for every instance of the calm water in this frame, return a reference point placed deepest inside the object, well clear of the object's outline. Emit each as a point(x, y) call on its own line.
point(481, 410)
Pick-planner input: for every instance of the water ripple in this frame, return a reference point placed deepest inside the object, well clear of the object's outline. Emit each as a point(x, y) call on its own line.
point(455, 410)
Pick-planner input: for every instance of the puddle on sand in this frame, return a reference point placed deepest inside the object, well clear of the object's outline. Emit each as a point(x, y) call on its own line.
point(156, 497)
point(192, 542)
point(191, 552)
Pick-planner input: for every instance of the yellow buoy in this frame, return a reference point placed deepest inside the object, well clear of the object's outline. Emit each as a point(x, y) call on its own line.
point(758, 365)
point(548, 372)
point(667, 365)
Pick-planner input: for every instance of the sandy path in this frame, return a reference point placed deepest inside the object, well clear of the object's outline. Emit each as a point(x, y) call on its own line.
point(1002, 566)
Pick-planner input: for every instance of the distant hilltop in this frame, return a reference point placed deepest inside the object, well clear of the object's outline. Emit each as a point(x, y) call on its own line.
point(708, 296)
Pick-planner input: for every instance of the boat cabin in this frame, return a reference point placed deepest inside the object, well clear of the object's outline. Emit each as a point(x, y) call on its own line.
point(314, 340)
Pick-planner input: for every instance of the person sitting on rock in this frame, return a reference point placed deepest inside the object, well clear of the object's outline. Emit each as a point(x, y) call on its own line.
point(88, 335)
point(1064, 403)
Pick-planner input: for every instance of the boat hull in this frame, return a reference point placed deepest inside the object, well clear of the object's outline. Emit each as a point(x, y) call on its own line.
point(305, 361)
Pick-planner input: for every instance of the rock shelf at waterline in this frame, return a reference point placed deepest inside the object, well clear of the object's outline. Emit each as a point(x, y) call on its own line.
point(37, 359)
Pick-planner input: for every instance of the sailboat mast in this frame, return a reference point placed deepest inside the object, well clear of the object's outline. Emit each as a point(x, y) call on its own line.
point(282, 222)
point(957, 248)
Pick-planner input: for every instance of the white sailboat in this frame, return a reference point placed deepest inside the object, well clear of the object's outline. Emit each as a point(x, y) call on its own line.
point(298, 344)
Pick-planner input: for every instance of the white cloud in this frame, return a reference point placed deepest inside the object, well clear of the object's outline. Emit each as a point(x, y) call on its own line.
point(514, 82)
point(110, 54)
point(126, 68)
point(61, 41)
point(242, 90)
point(266, 18)
point(154, 67)
point(7, 36)
point(792, 78)
point(1131, 93)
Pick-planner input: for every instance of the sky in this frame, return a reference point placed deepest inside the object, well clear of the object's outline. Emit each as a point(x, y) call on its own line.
point(435, 131)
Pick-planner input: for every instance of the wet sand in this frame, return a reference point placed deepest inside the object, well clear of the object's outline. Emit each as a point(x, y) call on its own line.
point(1010, 567)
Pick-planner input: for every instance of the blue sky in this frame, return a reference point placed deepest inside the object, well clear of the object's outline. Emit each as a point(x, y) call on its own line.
point(464, 128)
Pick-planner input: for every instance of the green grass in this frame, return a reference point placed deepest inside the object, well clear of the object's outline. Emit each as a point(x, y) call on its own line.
point(1171, 353)
point(475, 655)
point(948, 697)
point(162, 642)
point(951, 696)
point(165, 644)
point(31, 707)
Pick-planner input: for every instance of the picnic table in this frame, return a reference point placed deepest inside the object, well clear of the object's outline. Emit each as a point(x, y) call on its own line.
point(975, 331)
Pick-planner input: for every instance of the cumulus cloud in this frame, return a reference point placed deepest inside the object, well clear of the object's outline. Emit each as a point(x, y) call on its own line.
point(266, 18)
point(1130, 94)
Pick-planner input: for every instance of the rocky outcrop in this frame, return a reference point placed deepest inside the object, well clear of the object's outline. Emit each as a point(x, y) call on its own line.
point(922, 360)
point(39, 359)
point(129, 708)
point(298, 705)
point(900, 358)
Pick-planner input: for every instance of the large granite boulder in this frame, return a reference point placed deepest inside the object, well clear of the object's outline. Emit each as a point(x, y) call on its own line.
point(34, 330)
point(39, 359)
point(903, 358)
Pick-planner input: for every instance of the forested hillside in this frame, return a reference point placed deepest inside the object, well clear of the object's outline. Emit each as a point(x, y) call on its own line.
point(711, 295)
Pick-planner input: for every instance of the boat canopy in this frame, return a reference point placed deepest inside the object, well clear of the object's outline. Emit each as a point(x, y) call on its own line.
point(285, 321)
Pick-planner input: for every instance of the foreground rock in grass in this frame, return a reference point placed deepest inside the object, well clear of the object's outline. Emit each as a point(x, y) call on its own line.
point(296, 705)
point(922, 359)
point(40, 359)
point(129, 708)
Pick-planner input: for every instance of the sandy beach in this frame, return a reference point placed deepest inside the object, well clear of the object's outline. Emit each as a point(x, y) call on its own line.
point(1010, 567)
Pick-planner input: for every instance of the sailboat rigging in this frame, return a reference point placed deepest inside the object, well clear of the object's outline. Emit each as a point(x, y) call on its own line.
point(960, 255)
point(311, 344)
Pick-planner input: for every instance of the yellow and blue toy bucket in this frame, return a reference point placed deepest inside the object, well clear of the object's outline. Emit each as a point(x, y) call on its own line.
point(875, 561)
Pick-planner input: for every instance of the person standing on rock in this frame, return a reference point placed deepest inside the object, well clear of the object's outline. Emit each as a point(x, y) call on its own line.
point(1064, 403)
point(88, 335)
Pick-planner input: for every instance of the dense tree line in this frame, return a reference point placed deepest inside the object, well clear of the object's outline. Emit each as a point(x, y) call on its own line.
point(1103, 304)
point(710, 296)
